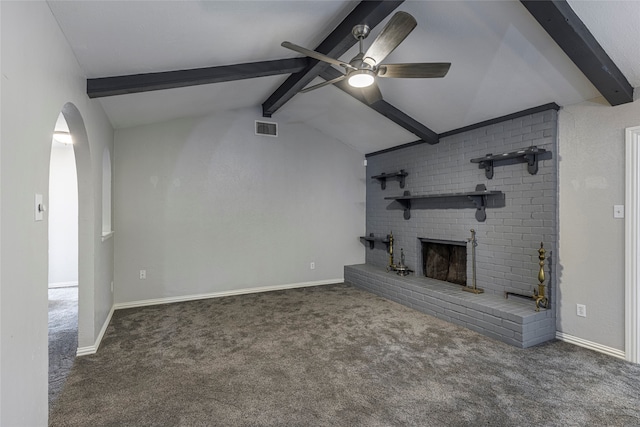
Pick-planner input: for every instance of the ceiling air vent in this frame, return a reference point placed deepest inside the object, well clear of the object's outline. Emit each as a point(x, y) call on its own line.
point(266, 128)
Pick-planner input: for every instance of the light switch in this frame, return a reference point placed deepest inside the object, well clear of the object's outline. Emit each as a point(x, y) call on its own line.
point(618, 211)
point(39, 208)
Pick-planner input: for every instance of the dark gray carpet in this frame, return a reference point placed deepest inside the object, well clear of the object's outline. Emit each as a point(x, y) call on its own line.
point(63, 337)
point(332, 355)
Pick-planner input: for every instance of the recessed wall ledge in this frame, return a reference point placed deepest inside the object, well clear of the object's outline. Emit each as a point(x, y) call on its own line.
point(106, 235)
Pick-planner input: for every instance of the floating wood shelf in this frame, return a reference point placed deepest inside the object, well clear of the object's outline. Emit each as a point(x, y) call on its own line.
point(372, 240)
point(478, 197)
point(384, 176)
point(529, 155)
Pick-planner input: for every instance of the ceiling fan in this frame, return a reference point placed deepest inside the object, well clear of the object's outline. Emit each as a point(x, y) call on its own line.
point(362, 70)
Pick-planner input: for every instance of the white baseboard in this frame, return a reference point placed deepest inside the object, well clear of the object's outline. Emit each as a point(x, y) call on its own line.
point(62, 285)
point(92, 349)
point(590, 345)
point(169, 300)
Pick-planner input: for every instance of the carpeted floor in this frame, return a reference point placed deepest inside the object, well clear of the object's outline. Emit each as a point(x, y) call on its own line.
point(63, 337)
point(332, 355)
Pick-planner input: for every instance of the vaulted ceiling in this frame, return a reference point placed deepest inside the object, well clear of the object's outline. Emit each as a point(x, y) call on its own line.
point(503, 60)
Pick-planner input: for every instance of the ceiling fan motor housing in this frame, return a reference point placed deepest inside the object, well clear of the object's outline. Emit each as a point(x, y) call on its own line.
point(361, 63)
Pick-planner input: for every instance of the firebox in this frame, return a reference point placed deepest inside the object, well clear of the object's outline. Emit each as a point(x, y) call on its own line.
point(445, 260)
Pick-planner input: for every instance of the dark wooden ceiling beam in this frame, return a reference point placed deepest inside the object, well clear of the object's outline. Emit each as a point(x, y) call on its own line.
point(335, 45)
point(570, 33)
point(135, 83)
point(386, 109)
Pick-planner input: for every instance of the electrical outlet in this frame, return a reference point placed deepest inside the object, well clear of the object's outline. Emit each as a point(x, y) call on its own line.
point(312, 265)
point(143, 274)
point(112, 286)
point(581, 310)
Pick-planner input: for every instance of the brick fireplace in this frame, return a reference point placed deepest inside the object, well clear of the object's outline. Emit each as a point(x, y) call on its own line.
point(507, 240)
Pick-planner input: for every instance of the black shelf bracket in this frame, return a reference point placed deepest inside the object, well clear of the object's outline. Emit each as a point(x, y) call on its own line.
point(371, 239)
point(532, 162)
point(407, 205)
point(481, 203)
point(384, 176)
point(488, 168)
point(530, 155)
point(405, 201)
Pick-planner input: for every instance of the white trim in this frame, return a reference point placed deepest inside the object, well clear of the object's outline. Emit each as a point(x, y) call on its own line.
point(590, 345)
point(169, 300)
point(63, 285)
point(632, 245)
point(107, 235)
point(92, 349)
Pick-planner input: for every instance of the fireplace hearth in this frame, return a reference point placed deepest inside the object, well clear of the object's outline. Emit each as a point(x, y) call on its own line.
point(513, 321)
point(445, 260)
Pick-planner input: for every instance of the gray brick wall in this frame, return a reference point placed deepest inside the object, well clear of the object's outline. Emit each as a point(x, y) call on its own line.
point(507, 257)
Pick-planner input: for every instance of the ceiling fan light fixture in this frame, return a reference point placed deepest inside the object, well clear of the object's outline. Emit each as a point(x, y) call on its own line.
point(361, 78)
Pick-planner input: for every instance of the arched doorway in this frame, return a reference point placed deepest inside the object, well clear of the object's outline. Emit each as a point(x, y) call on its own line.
point(63, 257)
point(86, 226)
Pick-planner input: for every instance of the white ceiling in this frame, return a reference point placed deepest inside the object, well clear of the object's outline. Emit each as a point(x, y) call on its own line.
point(502, 60)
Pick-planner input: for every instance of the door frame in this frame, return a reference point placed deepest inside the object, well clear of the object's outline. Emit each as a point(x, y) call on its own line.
point(632, 244)
point(87, 231)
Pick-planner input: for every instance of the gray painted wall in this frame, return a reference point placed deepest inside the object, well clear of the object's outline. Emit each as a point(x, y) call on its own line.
point(591, 241)
point(507, 257)
point(204, 206)
point(39, 76)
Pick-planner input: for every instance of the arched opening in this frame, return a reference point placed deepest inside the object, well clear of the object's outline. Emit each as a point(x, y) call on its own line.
point(63, 257)
point(87, 229)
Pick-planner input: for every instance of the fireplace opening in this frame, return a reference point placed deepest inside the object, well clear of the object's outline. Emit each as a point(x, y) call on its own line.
point(445, 260)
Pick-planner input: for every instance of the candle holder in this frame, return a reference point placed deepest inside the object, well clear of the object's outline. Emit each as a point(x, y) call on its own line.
point(539, 294)
point(401, 269)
